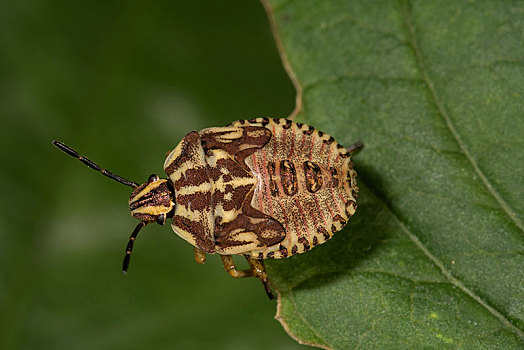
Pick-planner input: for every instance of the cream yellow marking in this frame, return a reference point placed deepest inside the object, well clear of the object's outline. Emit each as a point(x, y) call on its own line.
point(187, 236)
point(174, 154)
point(146, 189)
point(226, 215)
point(211, 160)
point(153, 210)
point(188, 190)
point(224, 134)
point(245, 236)
point(220, 184)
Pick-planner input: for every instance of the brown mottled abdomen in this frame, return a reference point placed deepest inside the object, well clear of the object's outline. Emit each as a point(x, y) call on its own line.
point(305, 181)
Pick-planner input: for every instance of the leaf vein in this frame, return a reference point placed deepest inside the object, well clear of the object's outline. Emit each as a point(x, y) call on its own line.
point(406, 12)
point(447, 120)
point(454, 280)
point(366, 272)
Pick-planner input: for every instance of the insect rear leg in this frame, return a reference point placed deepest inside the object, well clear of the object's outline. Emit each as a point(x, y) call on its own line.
point(259, 270)
point(200, 255)
point(356, 147)
point(231, 268)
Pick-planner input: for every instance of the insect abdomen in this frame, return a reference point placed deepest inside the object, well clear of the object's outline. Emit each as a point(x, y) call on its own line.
point(305, 181)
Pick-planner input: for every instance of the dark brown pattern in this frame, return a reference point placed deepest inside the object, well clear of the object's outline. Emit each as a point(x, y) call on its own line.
point(283, 251)
point(313, 175)
point(250, 224)
point(324, 233)
point(288, 177)
point(194, 176)
point(190, 145)
point(339, 219)
point(199, 201)
point(268, 232)
point(196, 229)
point(309, 131)
point(305, 243)
point(253, 138)
point(273, 188)
point(334, 177)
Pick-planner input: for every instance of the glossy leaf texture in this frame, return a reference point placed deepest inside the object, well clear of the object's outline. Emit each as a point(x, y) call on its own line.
point(434, 255)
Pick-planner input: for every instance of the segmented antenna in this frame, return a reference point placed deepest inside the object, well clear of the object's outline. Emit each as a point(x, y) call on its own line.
point(68, 150)
point(129, 248)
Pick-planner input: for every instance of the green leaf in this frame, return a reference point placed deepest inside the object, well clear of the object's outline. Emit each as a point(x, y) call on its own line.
point(434, 255)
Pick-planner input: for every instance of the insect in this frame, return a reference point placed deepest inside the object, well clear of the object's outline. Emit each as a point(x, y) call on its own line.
point(263, 188)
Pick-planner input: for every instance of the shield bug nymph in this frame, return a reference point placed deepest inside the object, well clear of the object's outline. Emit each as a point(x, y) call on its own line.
point(263, 188)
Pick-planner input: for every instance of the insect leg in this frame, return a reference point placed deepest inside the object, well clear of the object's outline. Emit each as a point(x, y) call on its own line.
point(356, 147)
point(231, 268)
point(200, 255)
point(257, 266)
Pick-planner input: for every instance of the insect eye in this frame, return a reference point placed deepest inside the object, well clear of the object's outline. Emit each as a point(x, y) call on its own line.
point(152, 177)
point(161, 219)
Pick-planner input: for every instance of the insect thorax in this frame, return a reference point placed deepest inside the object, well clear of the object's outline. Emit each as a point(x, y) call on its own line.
point(212, 187)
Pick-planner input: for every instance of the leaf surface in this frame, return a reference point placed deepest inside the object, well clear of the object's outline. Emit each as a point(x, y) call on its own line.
point(434, 255)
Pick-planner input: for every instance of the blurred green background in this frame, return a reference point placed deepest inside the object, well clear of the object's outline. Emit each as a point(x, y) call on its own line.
point(122, 82)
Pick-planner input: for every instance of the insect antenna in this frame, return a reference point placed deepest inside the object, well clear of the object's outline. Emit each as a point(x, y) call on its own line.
point(129, 248)
point(68, 150)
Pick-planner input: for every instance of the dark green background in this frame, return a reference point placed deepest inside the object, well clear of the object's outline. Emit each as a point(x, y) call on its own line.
point(122, 82)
